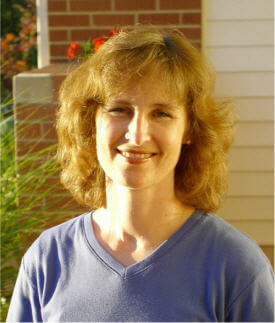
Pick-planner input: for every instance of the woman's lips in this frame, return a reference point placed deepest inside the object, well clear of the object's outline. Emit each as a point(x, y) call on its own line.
point(136, 156)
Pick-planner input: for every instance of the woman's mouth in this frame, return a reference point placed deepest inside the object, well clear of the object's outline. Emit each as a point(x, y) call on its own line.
point(136, 157)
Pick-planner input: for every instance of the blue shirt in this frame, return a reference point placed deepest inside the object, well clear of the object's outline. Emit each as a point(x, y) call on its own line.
point(207, 271)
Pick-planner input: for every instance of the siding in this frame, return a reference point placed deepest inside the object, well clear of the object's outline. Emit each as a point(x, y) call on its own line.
point(238, 38)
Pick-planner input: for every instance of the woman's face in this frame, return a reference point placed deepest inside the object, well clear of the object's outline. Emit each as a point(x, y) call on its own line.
point(140, 134)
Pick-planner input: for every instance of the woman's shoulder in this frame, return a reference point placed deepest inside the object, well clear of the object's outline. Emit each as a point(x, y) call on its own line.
point(63, 230)
point(232, 245)
point(56, 239)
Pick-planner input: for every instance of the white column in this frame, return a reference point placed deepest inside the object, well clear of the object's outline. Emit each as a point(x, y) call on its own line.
point(43, 33)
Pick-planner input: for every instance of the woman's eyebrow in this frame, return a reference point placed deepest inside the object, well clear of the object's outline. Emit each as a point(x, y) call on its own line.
point(123, 102)
point(154, 105)
point(166, 105)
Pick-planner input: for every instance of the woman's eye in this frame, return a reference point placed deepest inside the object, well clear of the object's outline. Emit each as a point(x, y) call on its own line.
point(162, 114)
point(118, 111)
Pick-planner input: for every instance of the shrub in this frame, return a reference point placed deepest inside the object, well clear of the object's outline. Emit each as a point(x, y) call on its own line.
point(23, 190)
point(18, 47)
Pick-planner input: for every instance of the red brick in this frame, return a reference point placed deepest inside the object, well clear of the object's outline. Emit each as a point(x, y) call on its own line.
point(135, 5)
point(86, 34)
point(57, 81)
point(60, 218)
point(191, 33)
point(35, 112)
point(50, 69)
point(24, 148)
point(191, 18)
point(159, 18)
point(90, 5)
point(64, 202)
point(34, 166)
point(68, 20)
point(112, 20)
point(28, 130)
point(56, 6)
point(24, 201)
point(59, 35)
point(54, 184)
point(34, 163)
point(180, 4)
point(57, 219)
point(27, 238)
point(49, 131)
point(58, 50)
point(56, 60)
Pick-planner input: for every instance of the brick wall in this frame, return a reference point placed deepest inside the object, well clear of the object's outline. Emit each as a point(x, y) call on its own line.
point(80, 20)
point(35, 95)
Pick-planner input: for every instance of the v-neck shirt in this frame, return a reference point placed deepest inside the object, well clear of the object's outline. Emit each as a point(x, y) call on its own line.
point(127, 271)
point(207, 271)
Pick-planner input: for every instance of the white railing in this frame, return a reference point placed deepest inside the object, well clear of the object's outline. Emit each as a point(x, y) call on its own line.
point(43, 33)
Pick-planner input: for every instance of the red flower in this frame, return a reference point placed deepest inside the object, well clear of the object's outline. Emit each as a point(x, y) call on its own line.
point(89, 47)
point(72, 50)
point(97, 42)
point(10, 37)
point(4, 45)
point(112, 32)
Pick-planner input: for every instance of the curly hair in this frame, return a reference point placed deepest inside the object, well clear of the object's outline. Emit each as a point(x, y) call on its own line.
point(201, 172)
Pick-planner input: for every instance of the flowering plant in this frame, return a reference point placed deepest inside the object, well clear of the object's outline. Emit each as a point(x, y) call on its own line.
point(85, 49)
point(19, 52)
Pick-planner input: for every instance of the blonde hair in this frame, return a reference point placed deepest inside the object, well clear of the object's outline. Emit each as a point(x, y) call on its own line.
point(201, 172)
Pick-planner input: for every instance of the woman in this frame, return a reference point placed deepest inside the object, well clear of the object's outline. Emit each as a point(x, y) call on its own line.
point(143, 144)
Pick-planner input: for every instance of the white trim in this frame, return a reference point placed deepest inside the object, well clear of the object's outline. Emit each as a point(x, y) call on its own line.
point(43, 33)
point(204, 9)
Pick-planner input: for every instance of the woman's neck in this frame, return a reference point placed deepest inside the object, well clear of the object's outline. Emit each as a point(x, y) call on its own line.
point(141, 217)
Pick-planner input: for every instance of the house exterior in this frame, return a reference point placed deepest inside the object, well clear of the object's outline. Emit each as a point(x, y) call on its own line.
point(238, 38)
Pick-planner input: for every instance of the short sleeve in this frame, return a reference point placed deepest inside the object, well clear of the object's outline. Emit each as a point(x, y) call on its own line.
point(256, 302)
point(25, 305)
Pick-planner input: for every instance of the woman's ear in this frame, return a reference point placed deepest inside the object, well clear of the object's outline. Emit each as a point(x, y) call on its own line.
point(186, 140)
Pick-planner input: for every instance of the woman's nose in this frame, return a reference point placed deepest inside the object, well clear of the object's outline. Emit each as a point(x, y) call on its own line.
point(138, 130)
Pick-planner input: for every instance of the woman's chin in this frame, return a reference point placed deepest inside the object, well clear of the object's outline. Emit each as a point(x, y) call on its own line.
point(132, 183)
